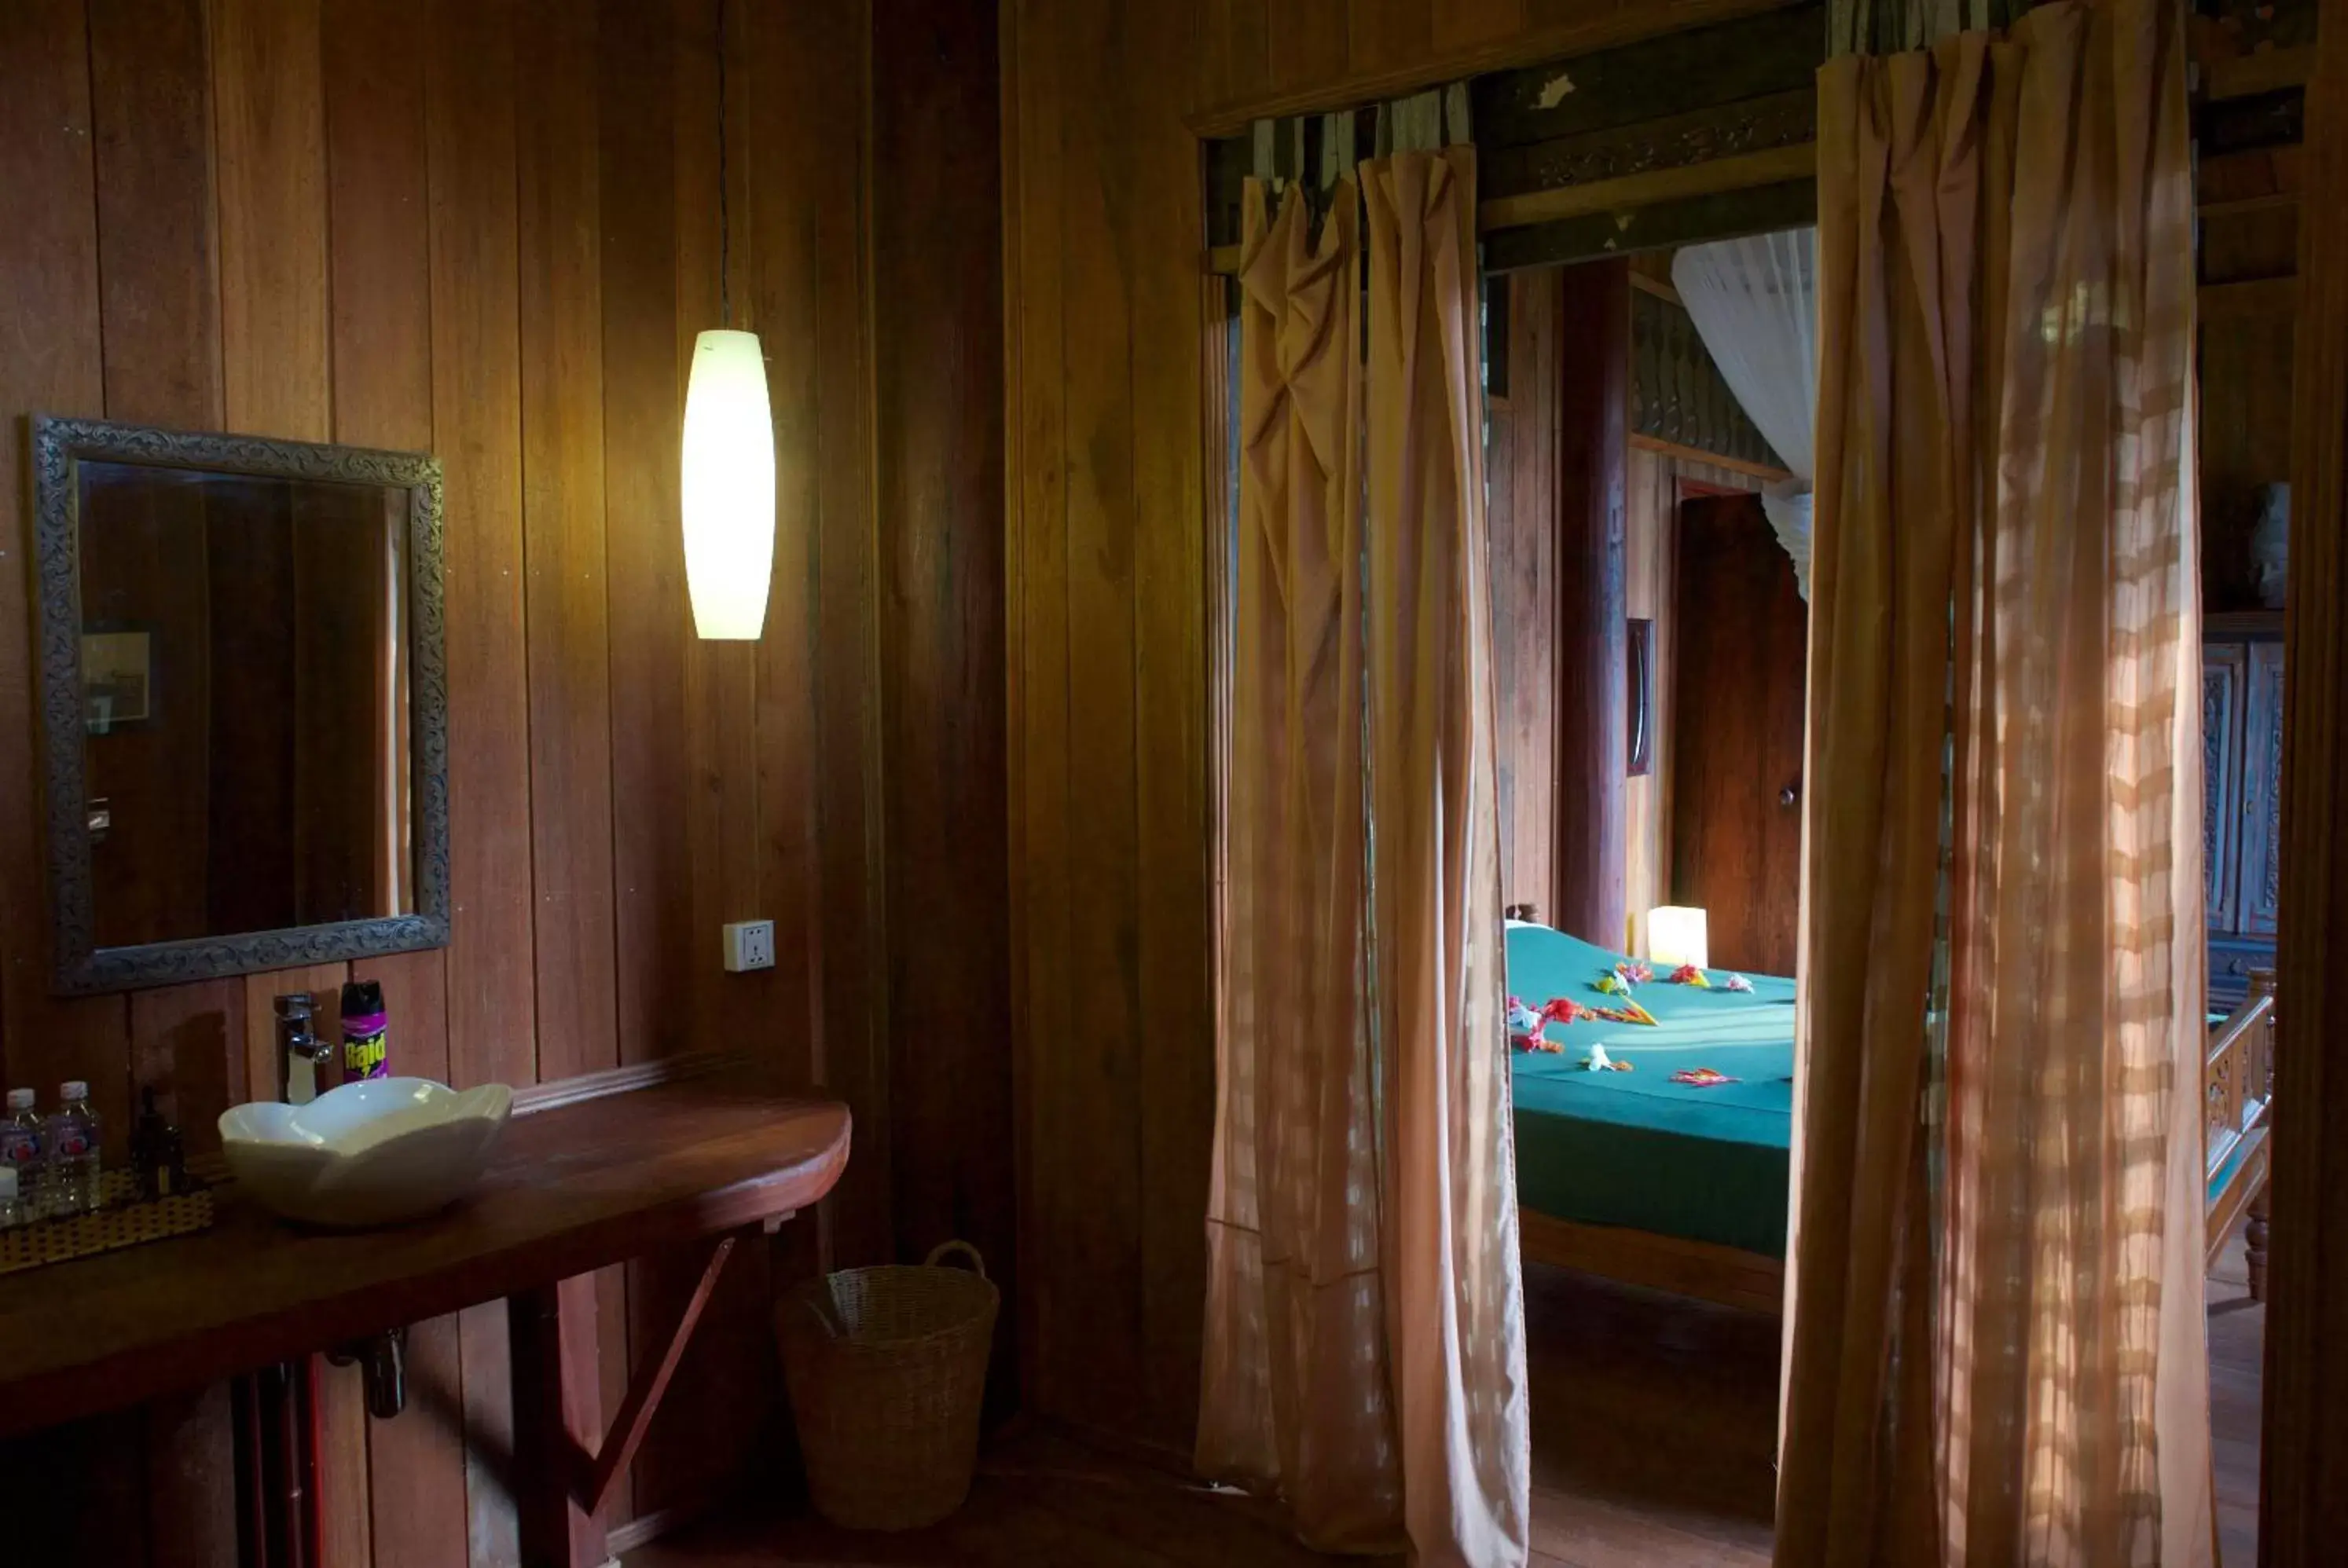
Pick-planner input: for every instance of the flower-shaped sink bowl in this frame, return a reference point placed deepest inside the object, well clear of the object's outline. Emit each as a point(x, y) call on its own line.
point(377, 1152)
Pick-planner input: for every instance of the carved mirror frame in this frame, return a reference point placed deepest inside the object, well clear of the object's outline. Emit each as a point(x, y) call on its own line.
point(78, 965)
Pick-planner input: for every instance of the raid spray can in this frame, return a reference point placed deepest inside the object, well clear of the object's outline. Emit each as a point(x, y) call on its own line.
point(365, 1032)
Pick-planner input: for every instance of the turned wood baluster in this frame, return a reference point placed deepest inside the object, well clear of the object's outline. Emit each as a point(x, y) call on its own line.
point(2261, 1073)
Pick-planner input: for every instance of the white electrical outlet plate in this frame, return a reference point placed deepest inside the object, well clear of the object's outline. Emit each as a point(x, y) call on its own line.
point(749, 944)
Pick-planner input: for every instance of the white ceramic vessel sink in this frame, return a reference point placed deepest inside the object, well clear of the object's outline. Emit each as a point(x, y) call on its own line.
point(378, 1152)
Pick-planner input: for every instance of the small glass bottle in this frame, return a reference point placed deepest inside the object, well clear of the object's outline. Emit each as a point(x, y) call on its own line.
point(72, 1163)
point(22, 1138)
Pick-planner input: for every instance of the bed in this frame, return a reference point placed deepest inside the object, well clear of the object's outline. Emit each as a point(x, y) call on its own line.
point(1679, 1188)
point(1629, 1176)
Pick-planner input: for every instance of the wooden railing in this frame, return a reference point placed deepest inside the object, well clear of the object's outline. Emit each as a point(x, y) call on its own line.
point(2238, 1095)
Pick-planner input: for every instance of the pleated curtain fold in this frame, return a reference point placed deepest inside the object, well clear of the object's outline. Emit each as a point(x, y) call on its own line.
point(1365, 1346)
point(1294, 1396)
point(1454, 1291)
point(1995, 1336)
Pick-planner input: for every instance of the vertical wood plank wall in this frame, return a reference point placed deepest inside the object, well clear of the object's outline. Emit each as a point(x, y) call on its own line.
point(1525, 594)
point(489, 229)
point(1110, 873)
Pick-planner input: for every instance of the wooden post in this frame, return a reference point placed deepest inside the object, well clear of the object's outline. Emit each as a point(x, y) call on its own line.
point(2306, 1432)
point(1592, 652)
point(2258, 1074)
point(558, 1420)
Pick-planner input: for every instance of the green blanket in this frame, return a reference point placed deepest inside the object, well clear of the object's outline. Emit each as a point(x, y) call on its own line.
point(1634, 1148)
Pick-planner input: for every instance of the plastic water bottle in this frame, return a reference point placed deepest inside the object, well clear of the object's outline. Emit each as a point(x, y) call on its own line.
point(73, 1174)
point(12, 1207)
point(21, 1134)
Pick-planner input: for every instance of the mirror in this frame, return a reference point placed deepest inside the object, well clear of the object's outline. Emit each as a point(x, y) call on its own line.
point(243, 714)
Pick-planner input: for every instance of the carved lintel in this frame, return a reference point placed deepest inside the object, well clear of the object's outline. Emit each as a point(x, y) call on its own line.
point(1700, 135)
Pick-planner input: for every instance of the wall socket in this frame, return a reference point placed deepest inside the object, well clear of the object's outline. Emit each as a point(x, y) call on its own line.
point(749, 944)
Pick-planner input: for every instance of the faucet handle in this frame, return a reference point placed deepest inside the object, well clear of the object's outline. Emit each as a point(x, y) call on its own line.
point(294, 1016)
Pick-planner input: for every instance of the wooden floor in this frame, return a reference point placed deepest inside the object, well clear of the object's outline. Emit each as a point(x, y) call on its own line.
point(2237, 1344)
point(1654, 1421)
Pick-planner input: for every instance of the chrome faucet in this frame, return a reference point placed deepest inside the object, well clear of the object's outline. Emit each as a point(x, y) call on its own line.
point(299, 1049)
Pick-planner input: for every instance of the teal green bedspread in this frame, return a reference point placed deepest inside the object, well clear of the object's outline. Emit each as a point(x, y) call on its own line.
point(1634, 1148)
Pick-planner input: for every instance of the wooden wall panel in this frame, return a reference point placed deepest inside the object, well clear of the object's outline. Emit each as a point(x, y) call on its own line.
point(490, 232)
point(1097, 1127)
point(1169, 576)
point(269, 130)
point(152, 84)
point(853, 1006)
point(569, 651)
point(151, 109)
point(470, 154)
point(643, 553)
point(49, 268)
point(477, 427)
point(939, 461)
point(1109, 812)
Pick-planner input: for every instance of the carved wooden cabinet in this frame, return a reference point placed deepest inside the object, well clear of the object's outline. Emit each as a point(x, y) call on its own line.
point(2241, 821)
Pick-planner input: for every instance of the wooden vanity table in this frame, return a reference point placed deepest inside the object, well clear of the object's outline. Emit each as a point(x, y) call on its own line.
point(576, 1186)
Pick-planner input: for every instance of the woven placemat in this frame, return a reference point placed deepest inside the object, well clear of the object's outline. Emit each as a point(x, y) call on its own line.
point(123, 1219)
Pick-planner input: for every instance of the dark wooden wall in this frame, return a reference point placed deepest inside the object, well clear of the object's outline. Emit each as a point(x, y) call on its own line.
point(938, 284)
point(489, 229)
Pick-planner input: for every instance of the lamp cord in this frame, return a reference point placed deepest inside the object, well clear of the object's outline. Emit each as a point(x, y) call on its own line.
point(724, 231)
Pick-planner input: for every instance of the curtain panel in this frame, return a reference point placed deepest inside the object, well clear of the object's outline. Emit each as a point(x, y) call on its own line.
point(1995, 1349)
point(1294, 1396)
point(1453, 1290)
point(1364, 1339)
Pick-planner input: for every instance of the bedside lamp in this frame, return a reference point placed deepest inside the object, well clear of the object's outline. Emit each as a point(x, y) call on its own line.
point(1676, 935)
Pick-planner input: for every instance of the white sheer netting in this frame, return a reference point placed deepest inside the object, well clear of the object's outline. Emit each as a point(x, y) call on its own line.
point(1755, 302)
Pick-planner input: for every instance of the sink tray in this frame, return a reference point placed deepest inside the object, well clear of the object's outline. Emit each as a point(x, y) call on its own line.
point(124, 1219)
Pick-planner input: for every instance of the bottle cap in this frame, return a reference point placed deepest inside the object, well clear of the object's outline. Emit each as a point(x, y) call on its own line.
point(7, 1182)
point(20, 1099)
point(74, 1089)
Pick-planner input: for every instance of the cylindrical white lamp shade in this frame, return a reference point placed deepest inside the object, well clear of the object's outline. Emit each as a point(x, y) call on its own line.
point(1677, 935)
point(728, 470)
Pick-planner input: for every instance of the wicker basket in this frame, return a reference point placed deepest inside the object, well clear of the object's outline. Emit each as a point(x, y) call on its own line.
point(886, 1367)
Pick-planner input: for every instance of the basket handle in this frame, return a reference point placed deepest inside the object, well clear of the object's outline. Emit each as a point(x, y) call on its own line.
point(947, 1248)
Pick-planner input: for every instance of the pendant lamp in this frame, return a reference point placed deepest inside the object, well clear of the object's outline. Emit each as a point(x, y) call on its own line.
point(728, 462)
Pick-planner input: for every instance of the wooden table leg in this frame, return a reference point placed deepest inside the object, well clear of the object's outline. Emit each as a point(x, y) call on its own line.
point(558, 1419)
point(566, 1465)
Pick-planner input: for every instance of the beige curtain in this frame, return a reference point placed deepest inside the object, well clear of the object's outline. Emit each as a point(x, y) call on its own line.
point(1365, 1335)
point(1454, 1299)
point(1294, 1396)
point(1996, 1352)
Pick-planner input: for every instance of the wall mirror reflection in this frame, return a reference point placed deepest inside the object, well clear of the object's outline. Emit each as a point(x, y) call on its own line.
point(243, 704)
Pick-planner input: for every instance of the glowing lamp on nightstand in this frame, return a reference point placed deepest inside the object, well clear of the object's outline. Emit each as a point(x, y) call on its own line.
point(728, 463)
point(1676, 935)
